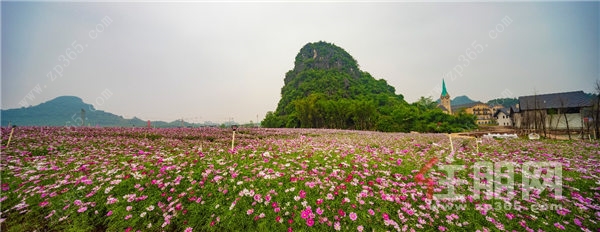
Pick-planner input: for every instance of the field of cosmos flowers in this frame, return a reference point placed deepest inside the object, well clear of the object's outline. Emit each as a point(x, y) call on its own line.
point(189, 179)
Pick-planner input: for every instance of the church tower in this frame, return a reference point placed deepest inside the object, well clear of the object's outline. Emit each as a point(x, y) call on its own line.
point(445, 99)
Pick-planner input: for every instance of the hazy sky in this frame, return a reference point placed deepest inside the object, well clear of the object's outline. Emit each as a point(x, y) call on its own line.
point(206, 61)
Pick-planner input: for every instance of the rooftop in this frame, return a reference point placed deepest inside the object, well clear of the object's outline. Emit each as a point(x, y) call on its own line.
point(555, 101)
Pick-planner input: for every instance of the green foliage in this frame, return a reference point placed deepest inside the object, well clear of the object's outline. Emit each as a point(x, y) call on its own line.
point(506, 102)
point(326, 89)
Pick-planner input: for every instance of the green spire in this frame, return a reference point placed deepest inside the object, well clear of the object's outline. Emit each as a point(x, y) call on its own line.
point(444, 92)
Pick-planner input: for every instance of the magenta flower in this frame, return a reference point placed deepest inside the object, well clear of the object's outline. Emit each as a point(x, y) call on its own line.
point(44, 203)
point(302, 194)
point(563, 211)
point(128, 217)
point(577, 222)
point(371, 212)
point(559, 226)
point(386, 216)
point(82, 209)
point(310, 222)
point(109, 213)
point(341, 213)
point(305, 214)
point(441, 228)
point(189, 229)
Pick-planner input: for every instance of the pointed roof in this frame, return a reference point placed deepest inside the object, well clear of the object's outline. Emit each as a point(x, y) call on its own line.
point(444, 92)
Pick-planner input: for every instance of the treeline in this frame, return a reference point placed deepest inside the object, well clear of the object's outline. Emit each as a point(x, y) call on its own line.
point(316, 111)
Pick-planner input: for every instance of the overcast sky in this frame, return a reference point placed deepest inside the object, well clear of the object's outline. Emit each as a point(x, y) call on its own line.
point(214, 61)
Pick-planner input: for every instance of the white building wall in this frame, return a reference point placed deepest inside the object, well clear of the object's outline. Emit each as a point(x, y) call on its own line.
point(503, 119)
point(557, 121)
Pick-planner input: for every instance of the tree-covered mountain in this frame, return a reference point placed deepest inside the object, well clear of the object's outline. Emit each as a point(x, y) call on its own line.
point(461, 100)
point(506, 102)
point(326, 89)
point(67, 111)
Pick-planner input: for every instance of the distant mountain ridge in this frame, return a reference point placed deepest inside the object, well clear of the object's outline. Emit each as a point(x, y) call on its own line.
point(67, 111)
point(464, 99)
point(460, 100)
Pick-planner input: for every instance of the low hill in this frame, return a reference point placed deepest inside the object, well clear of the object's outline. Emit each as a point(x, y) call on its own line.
point(67, 111)
point(505, 102)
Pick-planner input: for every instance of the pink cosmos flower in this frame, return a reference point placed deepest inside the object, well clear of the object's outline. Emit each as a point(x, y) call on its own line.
point(128, 217)
point(310, 222)
point(559, 226)
point(319, 211)
point(337, 226)
point(302, 194)
point(577, 222)
point(341, 212)
point(329, 196)
point(305, 214)
point(189, 229)
point(386, 216)
point(353, 216)
point(44, 203)
point(82, 209)
point(109, 213)
point(50, 215)
point(371, 212)
point(563, 211)
point(250, 211)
